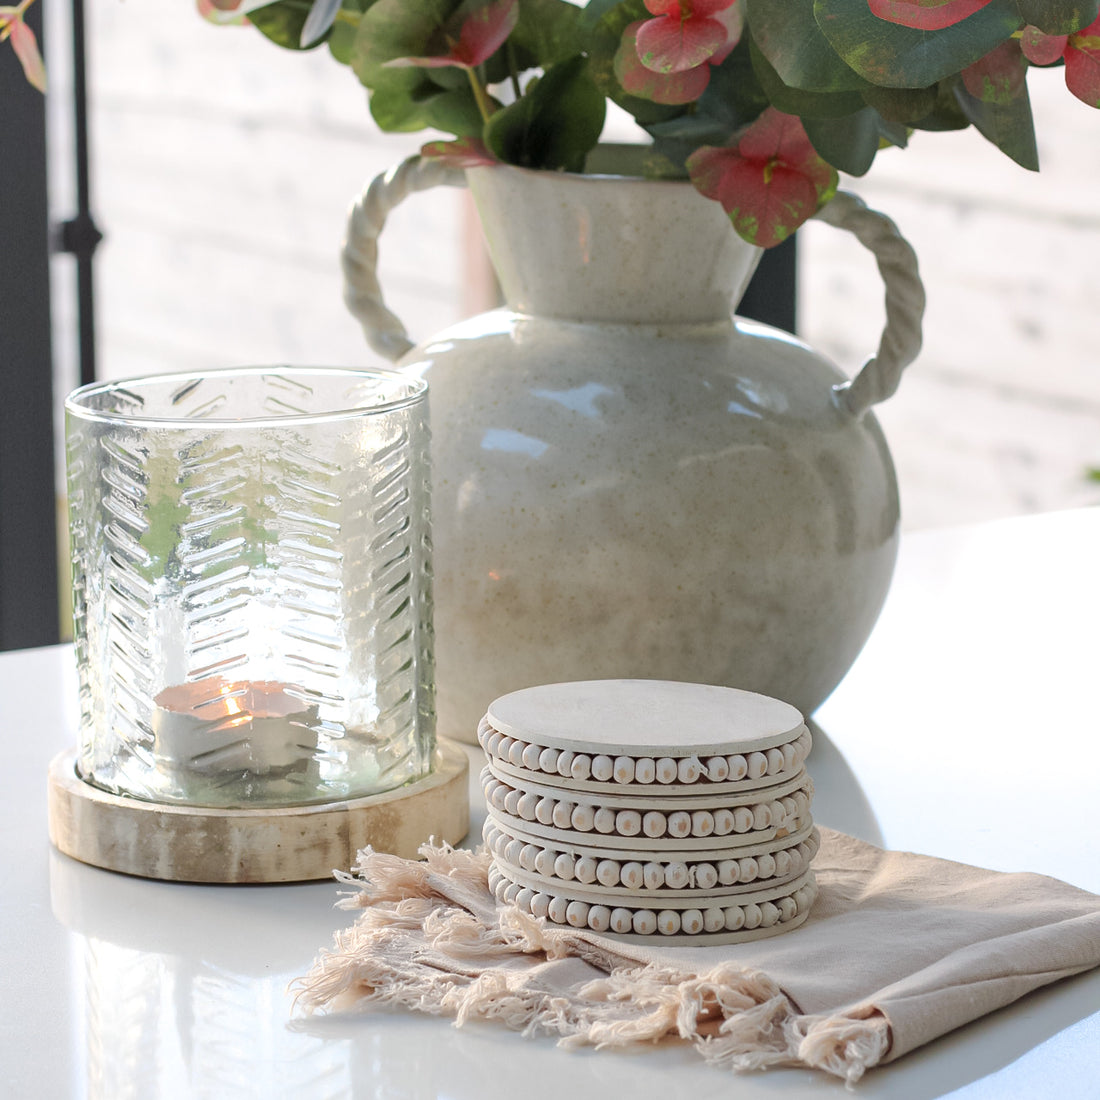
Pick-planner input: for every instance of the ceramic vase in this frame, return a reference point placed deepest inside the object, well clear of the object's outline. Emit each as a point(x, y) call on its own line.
point(629, 481)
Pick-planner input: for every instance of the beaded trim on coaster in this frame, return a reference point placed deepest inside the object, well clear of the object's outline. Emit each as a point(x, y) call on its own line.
point(552, 765)
point(749, 920)
point(640, 874)
point(699, 819)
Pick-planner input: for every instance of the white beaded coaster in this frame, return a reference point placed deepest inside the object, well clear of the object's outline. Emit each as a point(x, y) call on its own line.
point(661, 811)
point(651, 823)
point(650, 718)
point(564, 866)
point(601, 771)
point(701, 921)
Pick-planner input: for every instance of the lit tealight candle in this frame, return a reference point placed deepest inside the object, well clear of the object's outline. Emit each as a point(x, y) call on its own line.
point(213, 725)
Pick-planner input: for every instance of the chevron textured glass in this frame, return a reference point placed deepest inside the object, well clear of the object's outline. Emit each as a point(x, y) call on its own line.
point(252, 585)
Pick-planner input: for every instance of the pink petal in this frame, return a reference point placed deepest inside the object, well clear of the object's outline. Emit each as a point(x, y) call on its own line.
point(775, 134)
point(685, 9)
point(668, 45)
point(999, 77)
point(668, 88)
point(467, 152)
point(780, 137)
point(228, 12)
point(670, 8)
point(1083, 64)
point(926, 15)
point(26, 49)
point(709, 8)
point(765, 199)
point(482, 33)
point(485, 30)
point(734, 21)
point(1042, 49)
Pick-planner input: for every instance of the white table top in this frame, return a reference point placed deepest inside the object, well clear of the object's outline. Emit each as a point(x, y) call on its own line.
point(985, 660)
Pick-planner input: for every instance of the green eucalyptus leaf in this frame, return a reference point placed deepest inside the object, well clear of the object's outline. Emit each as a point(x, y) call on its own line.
point(341, 42)
point(548, 31)
point(390, 29)
point(901, 104)
point(397, 100)
point(697, 129)
point(647, 161)
point(595, 11)
point(794, 101)
point(450, 77)
point(788, 35)
point(734, 96)
point(1058, 16)
point(850, 143)
point(554, 125)
point(668, 158)
point(1009, 126)
point(282, 23)
point(454, 112)
point(894, 56)
point(946, 114)
point(892, 133)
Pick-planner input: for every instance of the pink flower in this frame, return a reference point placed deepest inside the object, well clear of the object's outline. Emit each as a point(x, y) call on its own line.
point(667, 59)
point(1080, 51)
point(685, 34)
point(1083, 64)
point(769, 182)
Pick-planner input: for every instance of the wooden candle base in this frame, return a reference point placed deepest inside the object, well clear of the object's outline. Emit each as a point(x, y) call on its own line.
point(286, 844)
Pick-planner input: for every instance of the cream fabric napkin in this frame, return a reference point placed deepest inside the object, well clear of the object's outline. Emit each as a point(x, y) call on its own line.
point(899, 949)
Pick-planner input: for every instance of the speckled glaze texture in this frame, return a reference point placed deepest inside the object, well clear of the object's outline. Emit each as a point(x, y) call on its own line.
point(629, 483)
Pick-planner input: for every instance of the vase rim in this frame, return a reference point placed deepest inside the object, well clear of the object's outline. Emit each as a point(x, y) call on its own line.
point(594, 177)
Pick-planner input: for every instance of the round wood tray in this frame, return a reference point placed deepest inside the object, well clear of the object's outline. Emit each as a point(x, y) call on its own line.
point(268, 844)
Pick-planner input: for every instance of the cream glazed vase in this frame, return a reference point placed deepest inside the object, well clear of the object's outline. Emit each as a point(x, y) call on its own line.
point(629, 482)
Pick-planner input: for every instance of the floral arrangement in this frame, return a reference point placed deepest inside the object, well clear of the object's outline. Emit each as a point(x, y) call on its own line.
point(758, 102)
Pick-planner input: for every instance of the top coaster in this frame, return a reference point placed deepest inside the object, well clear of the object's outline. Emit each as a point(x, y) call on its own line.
point(655, 717)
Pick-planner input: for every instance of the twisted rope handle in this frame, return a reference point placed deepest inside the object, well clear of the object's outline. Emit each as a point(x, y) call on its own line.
point(383, 329)
point(897, 263)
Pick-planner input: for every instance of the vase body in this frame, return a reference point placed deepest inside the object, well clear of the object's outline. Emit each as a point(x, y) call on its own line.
point(629, 482)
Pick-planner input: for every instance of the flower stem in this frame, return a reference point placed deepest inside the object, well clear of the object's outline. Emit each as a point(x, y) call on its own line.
point(481, 97)
point(510, 53)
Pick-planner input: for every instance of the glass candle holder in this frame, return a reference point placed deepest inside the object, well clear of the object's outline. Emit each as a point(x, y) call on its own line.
point(252, 585)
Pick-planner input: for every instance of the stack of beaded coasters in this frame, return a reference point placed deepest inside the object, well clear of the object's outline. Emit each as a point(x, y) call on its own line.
point(650, 809)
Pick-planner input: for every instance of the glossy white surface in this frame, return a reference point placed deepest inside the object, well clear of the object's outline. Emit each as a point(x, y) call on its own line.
point(967, 729)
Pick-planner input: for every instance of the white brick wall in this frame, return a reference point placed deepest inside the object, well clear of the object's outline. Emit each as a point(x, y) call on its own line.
point(223, 168)
point(1000, 415)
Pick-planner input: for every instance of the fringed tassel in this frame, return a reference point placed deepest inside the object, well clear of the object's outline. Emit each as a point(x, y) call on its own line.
point(846, 1046)
point(432, 939)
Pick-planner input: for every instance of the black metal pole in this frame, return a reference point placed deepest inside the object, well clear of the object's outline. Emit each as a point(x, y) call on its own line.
point(28, 527)
point(80, 235)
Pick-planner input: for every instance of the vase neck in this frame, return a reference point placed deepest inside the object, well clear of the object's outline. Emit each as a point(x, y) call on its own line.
point(613, 249)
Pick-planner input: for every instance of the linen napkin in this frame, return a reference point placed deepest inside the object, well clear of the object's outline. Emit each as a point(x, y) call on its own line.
point(898, 949)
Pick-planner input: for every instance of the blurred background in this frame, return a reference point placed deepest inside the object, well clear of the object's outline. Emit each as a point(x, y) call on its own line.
point(222, 168)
